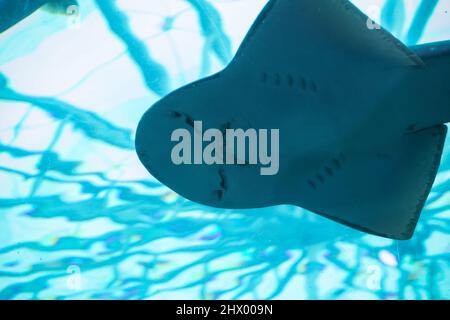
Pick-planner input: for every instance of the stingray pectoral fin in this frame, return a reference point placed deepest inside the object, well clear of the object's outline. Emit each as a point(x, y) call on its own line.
point(381, 191)
point(333, 33)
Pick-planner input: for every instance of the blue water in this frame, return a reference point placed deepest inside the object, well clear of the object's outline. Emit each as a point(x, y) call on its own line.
point(81, 218)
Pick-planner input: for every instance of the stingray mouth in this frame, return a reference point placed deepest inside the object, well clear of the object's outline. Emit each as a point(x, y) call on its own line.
point(201, 183)
point(214, 165)
point(206, 185)
point(225, 146)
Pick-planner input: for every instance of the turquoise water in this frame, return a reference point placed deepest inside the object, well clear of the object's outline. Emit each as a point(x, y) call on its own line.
point(81, 218)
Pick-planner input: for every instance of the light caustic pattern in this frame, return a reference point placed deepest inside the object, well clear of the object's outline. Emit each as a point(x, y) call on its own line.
point(81, 218)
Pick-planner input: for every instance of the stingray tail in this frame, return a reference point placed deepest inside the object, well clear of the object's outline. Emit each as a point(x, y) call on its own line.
point(431, 51)
point(431, 89)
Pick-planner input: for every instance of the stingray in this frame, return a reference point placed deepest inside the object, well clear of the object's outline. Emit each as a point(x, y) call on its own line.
point(360, 117)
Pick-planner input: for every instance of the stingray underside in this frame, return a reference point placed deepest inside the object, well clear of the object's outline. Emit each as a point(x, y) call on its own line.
point(321, 59)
